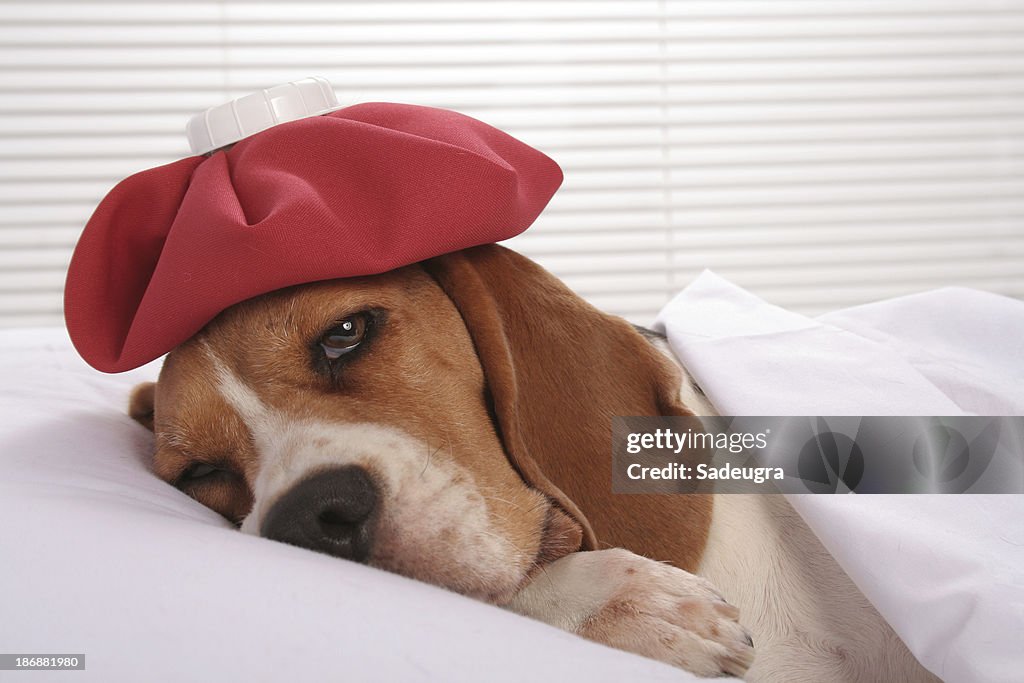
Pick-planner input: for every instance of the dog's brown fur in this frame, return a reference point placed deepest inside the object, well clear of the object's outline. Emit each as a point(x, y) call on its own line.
point(558, 369)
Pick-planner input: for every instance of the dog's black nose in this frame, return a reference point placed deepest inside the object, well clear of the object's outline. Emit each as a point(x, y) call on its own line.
point(330, 512)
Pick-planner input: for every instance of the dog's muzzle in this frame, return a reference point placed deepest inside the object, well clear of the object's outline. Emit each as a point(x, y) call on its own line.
point(331, 512)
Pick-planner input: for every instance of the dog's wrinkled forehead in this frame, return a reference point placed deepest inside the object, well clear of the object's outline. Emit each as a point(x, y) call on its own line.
point(274, 341)
point(275, 337)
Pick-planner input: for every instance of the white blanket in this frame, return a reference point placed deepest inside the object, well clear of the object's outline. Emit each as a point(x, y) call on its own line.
point(946, 571)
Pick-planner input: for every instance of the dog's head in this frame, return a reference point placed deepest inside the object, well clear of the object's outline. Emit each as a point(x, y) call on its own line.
point(414, 420)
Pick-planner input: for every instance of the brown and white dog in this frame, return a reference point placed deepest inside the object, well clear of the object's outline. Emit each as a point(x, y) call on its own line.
point(450, 421)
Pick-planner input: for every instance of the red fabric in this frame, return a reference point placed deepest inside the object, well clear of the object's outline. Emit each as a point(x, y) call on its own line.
point(359, 191)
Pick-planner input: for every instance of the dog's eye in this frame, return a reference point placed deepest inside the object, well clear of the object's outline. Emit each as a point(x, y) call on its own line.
point(198, 471)
point(345, 336)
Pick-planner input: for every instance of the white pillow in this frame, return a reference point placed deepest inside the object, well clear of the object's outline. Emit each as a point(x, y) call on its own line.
point(100, 557)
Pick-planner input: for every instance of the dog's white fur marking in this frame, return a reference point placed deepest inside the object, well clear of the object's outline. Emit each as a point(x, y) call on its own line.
point(808, 619)
point(238, 394)
point(434, 521)
point(628, 601)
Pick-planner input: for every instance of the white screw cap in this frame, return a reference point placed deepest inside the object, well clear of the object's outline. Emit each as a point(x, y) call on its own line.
point(230, 122)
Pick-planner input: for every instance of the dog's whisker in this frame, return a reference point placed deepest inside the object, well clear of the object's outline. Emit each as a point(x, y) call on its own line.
point(430, 455)
point(451, 452)
point(503, 500)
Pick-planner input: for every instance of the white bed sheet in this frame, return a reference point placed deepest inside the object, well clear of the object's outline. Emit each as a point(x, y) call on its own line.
point(99, 557)
point(946, 571)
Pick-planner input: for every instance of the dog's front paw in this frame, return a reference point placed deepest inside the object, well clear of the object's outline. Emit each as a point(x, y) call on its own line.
point(632, 603)
point(667, 614)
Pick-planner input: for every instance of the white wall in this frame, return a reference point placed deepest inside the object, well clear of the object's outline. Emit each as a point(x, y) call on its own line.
point(821, 152)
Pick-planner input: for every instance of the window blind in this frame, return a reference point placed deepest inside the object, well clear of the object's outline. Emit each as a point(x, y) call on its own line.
point(822, 153)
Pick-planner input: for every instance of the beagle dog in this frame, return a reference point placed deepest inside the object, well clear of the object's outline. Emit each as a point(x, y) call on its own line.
point(451, 421)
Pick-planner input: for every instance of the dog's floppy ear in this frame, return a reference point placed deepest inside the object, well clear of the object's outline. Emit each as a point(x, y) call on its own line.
point(557, 370)
point(141, 404)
